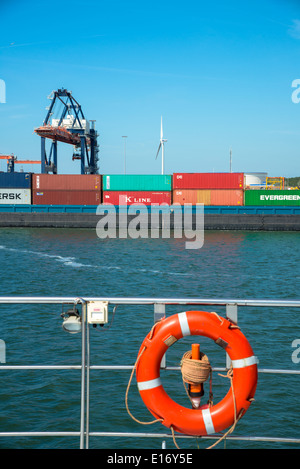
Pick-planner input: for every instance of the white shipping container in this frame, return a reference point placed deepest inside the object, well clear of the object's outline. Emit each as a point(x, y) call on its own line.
point(15, 196)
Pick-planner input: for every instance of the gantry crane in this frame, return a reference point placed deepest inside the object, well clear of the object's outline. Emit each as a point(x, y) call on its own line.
point(275, 181)
point(12, 160)
point(71, 127)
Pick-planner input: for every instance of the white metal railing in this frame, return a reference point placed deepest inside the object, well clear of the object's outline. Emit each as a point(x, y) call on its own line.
point(159, 305)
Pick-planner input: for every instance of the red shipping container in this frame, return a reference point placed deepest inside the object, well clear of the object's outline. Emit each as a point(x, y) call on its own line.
point(227, 197)
point(208, 181)
point(60, 182)
point(66, 197)
point(136, 197)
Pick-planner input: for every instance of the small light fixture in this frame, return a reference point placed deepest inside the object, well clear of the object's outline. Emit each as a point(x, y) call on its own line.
point(71, 321)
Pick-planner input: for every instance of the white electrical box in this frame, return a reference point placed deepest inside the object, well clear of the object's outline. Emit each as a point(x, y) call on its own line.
point(97, 312)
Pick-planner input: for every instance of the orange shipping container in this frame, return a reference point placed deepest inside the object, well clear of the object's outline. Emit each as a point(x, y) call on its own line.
point(227, 197)
point(191, 196)
point(209, 197)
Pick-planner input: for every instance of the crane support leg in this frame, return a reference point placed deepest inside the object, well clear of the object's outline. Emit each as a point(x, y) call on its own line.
point(44, 157)
point(82, 141)
point(54, 146)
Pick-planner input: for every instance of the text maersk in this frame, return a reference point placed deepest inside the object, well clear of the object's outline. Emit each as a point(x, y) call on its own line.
point(10, 196)
point(280, 197)
point(15, 196)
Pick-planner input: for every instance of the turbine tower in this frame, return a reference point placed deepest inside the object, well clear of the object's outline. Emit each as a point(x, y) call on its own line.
point(161, 146)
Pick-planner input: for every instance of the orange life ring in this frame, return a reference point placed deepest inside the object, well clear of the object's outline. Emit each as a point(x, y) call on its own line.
point(204, 420)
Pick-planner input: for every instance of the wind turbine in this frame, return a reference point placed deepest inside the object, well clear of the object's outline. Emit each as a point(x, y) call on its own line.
point(161, 146)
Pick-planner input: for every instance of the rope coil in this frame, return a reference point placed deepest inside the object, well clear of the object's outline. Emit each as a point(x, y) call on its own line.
point(195, 371)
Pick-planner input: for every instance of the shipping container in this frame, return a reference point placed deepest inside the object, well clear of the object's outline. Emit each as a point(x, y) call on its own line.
point(208, 181)
point(137, 182)
point(209, 197)
point(136, 197)
point(15, 196)
point(15, 180)
point(71, 182)
point(227, 197)
point(272, 197)
point(191, 196)
point(66, 197)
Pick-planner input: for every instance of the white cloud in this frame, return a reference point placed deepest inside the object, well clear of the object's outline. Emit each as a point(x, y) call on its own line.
point(294, 29)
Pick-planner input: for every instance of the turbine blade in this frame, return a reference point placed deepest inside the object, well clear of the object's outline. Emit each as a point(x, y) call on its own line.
point(158, 150)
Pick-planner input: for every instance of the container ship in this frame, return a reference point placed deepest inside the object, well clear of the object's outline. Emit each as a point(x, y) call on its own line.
point(231, 200)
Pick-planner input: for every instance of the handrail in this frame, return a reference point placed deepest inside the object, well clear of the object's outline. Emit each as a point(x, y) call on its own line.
point(149, 301)
point(85, 367)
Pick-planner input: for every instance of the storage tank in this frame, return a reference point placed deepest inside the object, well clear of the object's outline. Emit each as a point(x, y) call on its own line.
point(255, 180)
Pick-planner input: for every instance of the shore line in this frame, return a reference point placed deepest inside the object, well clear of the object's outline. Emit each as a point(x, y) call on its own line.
point(212, 221)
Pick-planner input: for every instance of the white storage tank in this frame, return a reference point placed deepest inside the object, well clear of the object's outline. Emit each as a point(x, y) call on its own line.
point(255, 180)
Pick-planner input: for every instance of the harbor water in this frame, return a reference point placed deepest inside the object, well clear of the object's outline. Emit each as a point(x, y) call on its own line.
point(69, 262)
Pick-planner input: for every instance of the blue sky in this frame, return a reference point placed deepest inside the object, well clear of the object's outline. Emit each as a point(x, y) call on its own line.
point(220, 73)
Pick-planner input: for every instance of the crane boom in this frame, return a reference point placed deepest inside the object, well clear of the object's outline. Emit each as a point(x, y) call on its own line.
point(70, 127)
point(12, 160)
point(28, 162)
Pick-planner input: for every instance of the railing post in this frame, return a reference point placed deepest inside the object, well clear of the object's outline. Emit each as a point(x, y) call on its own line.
point(83, 371)
point(232, 315)
point(88, 363)
point(159, 313)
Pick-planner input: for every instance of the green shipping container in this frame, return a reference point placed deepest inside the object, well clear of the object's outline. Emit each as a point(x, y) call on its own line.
point(137, 182)
point(272, 197)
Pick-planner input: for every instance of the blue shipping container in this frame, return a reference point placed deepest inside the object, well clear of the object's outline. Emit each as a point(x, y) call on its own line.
point(15, 180)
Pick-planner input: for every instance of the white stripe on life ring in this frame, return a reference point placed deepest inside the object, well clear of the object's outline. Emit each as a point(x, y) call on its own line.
point(209, 426)
point(151, 384)
point(243, 362)
point(185, 329)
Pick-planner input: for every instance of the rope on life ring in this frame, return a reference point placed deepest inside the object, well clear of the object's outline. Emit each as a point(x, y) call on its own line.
point(195, 372)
